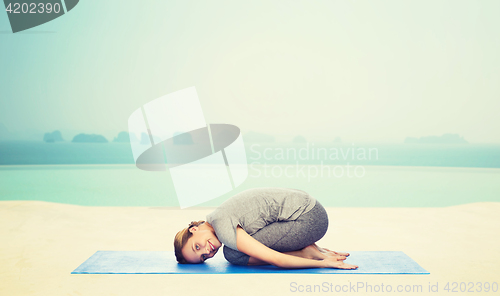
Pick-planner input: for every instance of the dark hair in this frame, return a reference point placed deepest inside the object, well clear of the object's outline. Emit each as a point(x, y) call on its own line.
point(181, 239)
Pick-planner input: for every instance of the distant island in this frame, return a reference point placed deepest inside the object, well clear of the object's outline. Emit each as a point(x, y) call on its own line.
point(123, 137)
point(85, 138)
point(444, 139)
point(52, 137)
point(258, 137)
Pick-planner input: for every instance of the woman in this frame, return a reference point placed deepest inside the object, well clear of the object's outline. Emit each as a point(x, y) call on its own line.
point(259, 226)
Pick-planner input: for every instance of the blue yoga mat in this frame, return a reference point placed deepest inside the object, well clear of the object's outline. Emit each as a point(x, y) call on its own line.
point(136, 262)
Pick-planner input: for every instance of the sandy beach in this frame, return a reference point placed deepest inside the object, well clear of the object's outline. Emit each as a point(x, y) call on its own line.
point(43, 242)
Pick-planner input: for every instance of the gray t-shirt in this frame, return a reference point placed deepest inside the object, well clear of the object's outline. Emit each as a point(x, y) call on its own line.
point(255, 208)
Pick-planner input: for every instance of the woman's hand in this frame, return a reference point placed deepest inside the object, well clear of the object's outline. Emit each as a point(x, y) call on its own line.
point(330, 252)
point(262, 254)
point(335, 262)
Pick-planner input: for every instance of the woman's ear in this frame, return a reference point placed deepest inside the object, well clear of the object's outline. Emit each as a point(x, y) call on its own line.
point(193, 229)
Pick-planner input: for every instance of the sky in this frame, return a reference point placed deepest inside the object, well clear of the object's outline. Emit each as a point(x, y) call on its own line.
point(369, 71)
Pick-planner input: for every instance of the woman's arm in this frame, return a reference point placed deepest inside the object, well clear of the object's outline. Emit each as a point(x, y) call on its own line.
point(260, 253)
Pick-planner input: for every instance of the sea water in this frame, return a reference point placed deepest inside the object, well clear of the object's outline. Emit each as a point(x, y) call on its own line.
point(443, 155)
point(340, 175)
point(374, 186)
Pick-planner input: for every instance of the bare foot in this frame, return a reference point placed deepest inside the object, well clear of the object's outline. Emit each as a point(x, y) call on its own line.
point(312, 252)
point(316, 251)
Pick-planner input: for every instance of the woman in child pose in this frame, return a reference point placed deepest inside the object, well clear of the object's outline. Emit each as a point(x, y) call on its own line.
point(259, 226)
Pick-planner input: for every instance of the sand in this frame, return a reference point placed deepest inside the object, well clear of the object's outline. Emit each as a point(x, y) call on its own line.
point(41, 243)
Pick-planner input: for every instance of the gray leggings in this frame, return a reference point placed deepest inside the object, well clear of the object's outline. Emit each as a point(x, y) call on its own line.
point(287, 236)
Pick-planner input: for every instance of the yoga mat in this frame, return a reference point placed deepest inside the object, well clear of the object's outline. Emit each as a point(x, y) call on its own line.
point(138, 262)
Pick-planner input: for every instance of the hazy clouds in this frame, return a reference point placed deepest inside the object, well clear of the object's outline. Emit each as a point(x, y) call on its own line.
point(364, 71)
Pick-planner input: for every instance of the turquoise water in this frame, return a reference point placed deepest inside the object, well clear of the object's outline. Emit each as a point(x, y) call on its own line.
point(378, 186)
point(346, 175)
point(466, 155)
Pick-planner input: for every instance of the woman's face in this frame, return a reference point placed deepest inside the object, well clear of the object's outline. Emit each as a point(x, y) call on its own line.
point(202, 245)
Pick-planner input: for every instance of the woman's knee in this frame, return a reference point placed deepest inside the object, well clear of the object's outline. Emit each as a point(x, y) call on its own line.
point(235, 257)
point(313, 225)
point(321, 220)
